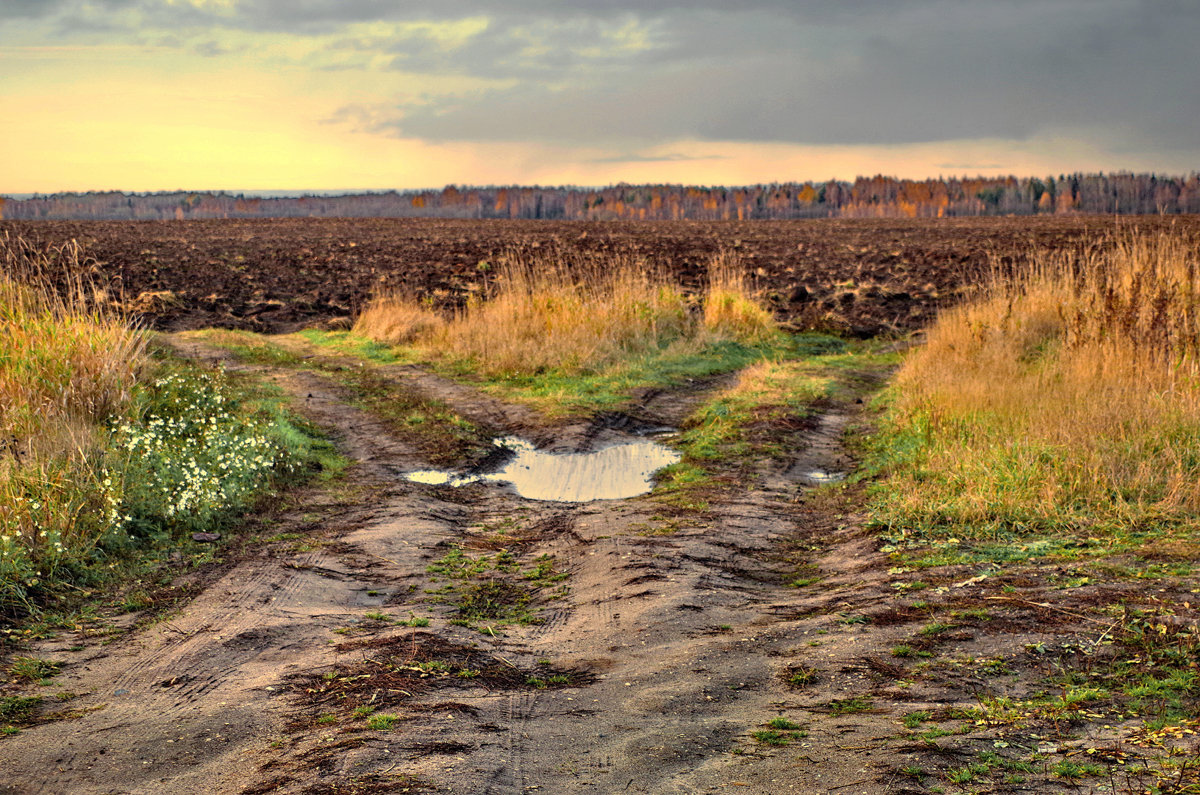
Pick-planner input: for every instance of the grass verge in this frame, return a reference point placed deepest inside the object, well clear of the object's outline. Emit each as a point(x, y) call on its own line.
point(1057, 414)
point(112, 452)
point(574, 334)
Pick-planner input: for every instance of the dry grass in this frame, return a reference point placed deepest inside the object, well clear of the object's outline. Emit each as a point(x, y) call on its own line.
point(569, 314)
point(397, 318)
point(729, 307)
point(67, 362)
point(67, 358)
point(1067, 397)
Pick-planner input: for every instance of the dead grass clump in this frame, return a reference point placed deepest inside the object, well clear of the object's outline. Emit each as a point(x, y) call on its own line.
point(397, 318)
point(572, 313)
point(730, 309)
point(568, 313)
point(1066, 397)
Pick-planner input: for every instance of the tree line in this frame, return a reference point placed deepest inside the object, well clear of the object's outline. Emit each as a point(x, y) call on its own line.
point(865, 197)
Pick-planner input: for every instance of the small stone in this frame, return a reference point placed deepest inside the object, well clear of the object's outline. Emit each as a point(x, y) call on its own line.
point(206, 537)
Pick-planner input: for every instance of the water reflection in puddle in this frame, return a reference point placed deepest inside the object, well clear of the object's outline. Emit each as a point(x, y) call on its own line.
point(818, 477)
point(616, 472)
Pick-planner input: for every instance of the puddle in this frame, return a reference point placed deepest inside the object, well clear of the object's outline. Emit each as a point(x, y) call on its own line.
point(819, 478)
point(616, 472)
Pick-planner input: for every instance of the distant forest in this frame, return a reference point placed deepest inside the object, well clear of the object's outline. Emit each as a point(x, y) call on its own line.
point(866, 197)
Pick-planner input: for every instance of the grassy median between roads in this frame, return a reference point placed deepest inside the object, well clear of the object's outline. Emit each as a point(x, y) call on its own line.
point(110, 454)
point(572, 315)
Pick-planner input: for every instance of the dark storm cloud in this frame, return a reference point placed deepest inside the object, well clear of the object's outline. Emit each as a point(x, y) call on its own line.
point(29, 8)
point(624, 72)
point(938, 71)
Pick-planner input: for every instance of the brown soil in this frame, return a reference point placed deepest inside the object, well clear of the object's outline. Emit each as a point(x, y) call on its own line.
point(857, 276)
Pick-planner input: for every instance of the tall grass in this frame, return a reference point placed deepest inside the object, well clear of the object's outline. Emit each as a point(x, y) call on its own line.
point(105, 451)
point(730, 309)
point(67, 359)
point(571, 313)
point(67, 362)
point(1066, 398)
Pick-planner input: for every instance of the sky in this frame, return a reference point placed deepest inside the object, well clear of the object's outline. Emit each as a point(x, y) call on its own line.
point(145, 95)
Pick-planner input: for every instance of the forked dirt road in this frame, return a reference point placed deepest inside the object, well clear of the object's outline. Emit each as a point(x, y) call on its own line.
point(647, 668)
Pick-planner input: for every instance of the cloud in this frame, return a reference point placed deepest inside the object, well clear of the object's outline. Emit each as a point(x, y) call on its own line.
point(673, 157)
point(629, 75)
point(945, 74)
point(213, 49)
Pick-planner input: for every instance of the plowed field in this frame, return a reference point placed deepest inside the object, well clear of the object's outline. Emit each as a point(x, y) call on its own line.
point(854, 276)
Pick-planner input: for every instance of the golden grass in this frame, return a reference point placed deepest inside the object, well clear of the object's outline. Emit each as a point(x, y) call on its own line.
point(730, 309)
point(568, 313)
point(397, 318)
point(67, 359)
point(67, 362)
point(1068, 396)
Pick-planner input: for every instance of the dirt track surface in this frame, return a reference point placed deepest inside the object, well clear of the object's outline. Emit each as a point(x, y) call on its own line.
point(660, 645)
point(668, 648)
point(861, 277)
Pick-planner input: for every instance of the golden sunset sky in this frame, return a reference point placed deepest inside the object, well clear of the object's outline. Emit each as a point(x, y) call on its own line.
point(144, 95)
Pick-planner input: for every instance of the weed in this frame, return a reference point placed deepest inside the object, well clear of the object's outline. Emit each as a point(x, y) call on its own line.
point(849, 706)
point(32, 669)
point(18, 709)
point(493, 590)
point(802, 677)
point(414, 621)
point(380, 722)
point(771, 737)
point(1074, 770)
point(967, 774)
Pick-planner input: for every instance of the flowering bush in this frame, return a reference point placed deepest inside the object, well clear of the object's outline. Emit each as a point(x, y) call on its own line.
point(193, 451)
point(190, 461)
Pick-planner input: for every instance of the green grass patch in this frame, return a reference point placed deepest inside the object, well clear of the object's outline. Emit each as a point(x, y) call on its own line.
point(32, 669)
point(381, 722)
point(348, 343)
point(443, 436)
point(565, 392)
point(849, 706)
point(193, 449)
point(489, 591)
point(249, 347)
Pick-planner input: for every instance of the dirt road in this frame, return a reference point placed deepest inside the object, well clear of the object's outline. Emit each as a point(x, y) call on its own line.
point(379, 635)
point(642, 660)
